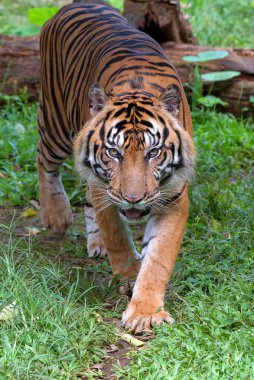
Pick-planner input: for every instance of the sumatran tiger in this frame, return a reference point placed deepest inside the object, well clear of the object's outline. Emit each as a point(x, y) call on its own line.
point(110, 95)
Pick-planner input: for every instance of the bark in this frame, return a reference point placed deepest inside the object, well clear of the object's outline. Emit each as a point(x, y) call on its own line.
point(19, 65)
point(161, 19)
point(20, 62)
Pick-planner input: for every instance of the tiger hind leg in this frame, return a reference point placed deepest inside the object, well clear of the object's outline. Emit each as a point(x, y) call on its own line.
point(54, 204)
point(95, 246)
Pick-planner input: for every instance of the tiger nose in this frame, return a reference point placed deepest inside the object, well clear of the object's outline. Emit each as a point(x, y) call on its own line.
point(134, 198)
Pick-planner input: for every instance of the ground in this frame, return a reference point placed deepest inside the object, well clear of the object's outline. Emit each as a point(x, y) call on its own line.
point(63, 323)
point(60, 311)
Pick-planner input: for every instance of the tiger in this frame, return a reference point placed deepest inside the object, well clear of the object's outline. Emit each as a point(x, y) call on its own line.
point(111, 97)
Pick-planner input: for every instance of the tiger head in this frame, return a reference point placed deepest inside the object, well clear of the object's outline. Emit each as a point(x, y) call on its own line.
point(135, 148)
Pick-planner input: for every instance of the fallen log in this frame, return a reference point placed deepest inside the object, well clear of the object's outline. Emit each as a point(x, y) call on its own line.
point(20, 62)
point(19, 65)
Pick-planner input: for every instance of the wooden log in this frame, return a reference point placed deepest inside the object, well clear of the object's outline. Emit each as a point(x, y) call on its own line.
point(20, 63)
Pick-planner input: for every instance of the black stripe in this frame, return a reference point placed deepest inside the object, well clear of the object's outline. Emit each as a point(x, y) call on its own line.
point(93, 232)
point(171, 200)
point(87, 204)
point(147, 242)
point(146, 123)
point(89, 217)
point(180, 146)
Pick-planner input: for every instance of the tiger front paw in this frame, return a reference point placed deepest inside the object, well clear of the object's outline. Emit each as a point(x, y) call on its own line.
point(95, 246)
point(137, 319)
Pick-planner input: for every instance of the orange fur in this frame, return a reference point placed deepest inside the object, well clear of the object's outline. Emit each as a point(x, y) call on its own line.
point(119, 103)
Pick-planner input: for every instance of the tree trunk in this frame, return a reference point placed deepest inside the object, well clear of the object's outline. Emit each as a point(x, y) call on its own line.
point(20, 62)
point(161, 19)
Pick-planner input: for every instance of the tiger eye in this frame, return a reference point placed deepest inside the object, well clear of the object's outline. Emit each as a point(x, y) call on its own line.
point(113, 152)
point(153, 153)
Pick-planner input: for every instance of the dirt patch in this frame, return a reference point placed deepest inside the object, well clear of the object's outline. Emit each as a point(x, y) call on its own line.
point(117, 355)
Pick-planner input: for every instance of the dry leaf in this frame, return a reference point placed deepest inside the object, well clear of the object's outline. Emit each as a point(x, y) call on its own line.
point(130, 339)
point(97, 366)
point(33, 231)
point(112, 348)
point(29, 213)
point(9, 312)
point(2, 175)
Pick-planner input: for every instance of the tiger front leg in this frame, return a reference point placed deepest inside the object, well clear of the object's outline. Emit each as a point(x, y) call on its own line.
point(55, 206)
point(162, 240)
point(95, 245)
point(117, 241)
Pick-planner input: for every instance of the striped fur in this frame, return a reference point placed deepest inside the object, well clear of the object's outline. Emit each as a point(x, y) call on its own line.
point(109, 93)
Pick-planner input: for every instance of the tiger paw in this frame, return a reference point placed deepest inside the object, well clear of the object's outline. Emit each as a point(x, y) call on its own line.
point(128, 277)
point(95, 246)
point(138, 322)
point(56, 213)
point(127, 287)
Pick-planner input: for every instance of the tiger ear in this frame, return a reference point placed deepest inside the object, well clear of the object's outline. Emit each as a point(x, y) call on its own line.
point(171, 99)
point(97, 98)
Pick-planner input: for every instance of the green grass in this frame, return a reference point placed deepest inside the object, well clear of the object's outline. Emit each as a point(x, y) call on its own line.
point(221, 23)
point(58, 332)
point(18, 140)
point(18, 137)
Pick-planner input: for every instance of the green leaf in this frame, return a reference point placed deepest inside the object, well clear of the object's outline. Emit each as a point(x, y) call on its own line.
point(39, 16)
point(118, 4)
point(213, 54)
point(29, 30)
point(206, 56)
point(191, 58)
point(251, 99)
point(220, 76)
point(210, 101)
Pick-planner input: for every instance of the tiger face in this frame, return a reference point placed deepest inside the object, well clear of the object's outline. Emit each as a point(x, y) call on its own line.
point(135, 147)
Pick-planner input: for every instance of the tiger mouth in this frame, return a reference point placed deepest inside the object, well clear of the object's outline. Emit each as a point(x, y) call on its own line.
point(134, 213)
